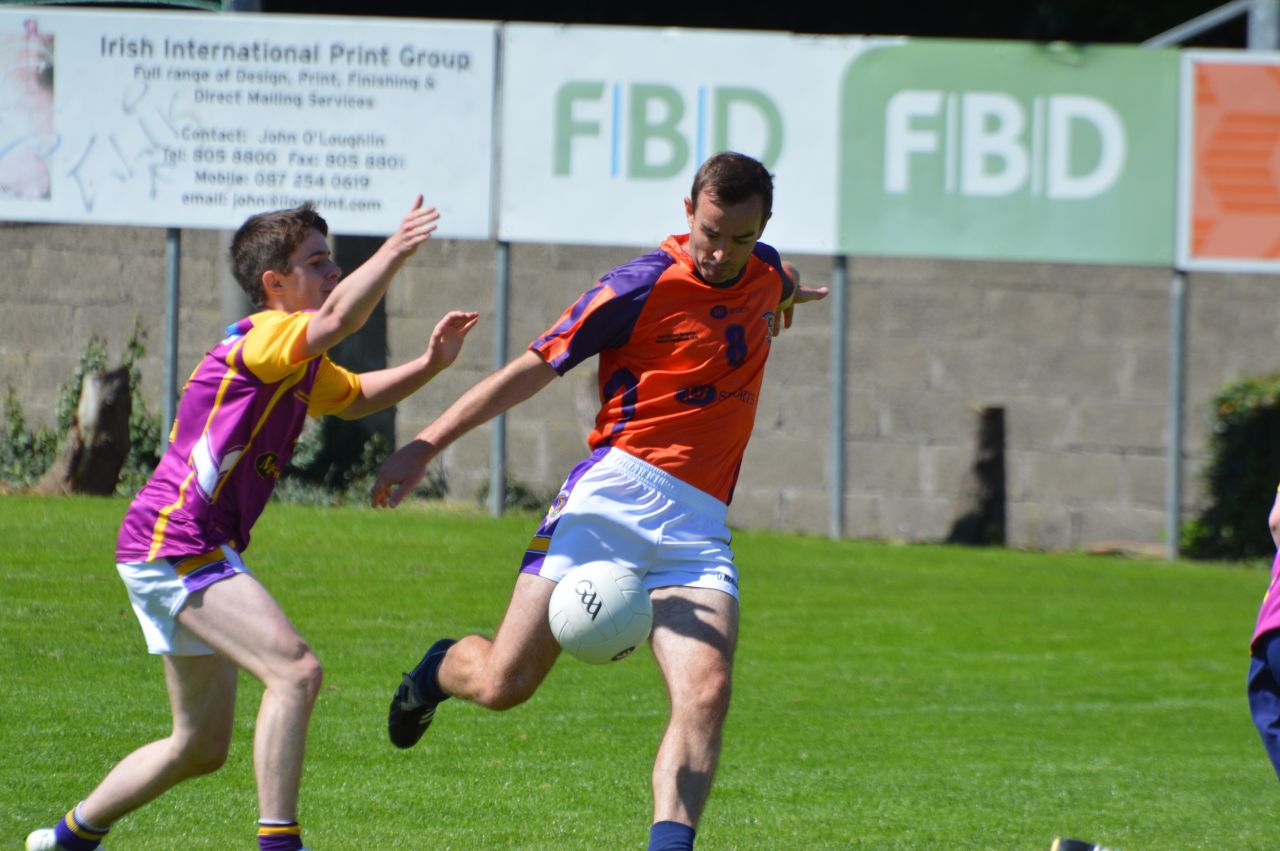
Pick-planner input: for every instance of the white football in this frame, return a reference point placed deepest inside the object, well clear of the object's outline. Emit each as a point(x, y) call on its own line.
point(600, 612)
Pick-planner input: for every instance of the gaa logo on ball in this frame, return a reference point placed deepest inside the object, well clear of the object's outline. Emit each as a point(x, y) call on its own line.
point(600, 612)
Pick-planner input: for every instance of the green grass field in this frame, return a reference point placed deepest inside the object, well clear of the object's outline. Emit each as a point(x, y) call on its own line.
point(915, 697)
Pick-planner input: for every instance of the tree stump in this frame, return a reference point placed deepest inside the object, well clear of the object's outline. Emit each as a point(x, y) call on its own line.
point(97, 444)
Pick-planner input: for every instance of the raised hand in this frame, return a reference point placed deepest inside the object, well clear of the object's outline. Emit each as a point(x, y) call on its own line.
point(448, 336)
point(416, 228)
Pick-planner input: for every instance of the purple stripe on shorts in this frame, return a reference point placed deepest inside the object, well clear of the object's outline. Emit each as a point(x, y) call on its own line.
point(200, 579)
point(532, 561)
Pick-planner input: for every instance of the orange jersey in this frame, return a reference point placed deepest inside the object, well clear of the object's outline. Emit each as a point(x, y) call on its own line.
point(681, 360)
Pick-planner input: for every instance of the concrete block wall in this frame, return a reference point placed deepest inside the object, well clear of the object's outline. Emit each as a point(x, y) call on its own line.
point(62, 285)
point(1076, 355)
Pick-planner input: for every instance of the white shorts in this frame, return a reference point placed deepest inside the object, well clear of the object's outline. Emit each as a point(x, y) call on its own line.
point(618, 508)
point(159, 589)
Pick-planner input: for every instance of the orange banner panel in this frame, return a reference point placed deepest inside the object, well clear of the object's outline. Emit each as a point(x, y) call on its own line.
point(1235, 186)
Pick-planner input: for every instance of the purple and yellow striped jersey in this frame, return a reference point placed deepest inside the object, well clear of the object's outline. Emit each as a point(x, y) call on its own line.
point(240, 413)
point(681, 361)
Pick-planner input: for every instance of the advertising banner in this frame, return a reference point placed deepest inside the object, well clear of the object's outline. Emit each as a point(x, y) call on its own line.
point(603, 128)
point(180, 119)
point(884, 146)
point(1009, 151)
point(1229, 206)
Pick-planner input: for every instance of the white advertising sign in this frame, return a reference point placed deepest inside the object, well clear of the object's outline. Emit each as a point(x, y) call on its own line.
point(603, 128)
point(179, 119)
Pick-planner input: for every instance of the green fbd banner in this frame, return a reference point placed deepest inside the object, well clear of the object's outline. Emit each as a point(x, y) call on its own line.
point(1009, 151)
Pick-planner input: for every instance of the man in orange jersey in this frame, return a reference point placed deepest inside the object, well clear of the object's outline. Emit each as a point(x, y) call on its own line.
point(682, 335)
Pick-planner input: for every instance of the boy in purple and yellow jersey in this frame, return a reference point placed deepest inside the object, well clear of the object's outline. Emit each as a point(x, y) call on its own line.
point(180, 544)
point(1264, 656)
point(682, 336)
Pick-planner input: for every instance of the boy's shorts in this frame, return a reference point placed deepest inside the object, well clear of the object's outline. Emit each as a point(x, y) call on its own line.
point(615, 507)
point(1264, 693)
point(159, 589)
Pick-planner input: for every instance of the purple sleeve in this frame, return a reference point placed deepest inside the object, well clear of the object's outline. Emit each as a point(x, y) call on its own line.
point(770, 255)
point(604, 316)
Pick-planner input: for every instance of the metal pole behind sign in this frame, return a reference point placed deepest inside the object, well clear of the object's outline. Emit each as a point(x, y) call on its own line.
point(1203, 23)
point(1263, 34)
point(172, 291)
point(501, 304)
point(498, 437)
point(839, 329)
point(1264, 25)
point(1177, 393)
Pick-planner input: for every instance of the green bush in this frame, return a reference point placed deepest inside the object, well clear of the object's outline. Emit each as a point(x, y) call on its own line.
point(320, 473)
point(1242, 473)
point(518, 496)
point(146, 435)
point(25, 453)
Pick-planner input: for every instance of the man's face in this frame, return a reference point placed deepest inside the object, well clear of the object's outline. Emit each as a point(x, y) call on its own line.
point(310, 278)
point(721, 238)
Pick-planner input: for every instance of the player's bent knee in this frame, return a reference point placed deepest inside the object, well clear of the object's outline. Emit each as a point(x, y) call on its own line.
point(502, 697)
point(708, 696)
point(506, 692)
point(301, 677)
point(207, 763)
point(199, 756)
point(310, 676)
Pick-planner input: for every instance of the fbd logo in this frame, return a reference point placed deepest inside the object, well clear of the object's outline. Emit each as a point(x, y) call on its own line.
point(993, 143)
point(654, 130)
point(1010, 151)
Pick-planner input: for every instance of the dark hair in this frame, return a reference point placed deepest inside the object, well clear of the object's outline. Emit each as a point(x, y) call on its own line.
point(265, 241)
point(732, 178)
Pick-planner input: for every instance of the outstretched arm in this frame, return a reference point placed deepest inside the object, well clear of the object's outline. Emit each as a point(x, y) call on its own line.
point(385, 387)
point(352, 301)
point(518, 380)
point(801, 295)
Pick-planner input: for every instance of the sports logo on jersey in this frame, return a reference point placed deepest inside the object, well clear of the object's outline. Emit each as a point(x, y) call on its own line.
point(557, 505)
point(769, 316)
point(267, 466)
point(722, 312)
point(701, 394)
point(742, 395)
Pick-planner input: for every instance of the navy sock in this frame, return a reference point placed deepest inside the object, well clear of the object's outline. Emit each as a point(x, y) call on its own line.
point(75, 834)
point(424, 676)
point(670, 836)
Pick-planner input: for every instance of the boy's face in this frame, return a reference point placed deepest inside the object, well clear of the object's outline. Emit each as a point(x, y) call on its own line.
point(310, 278)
